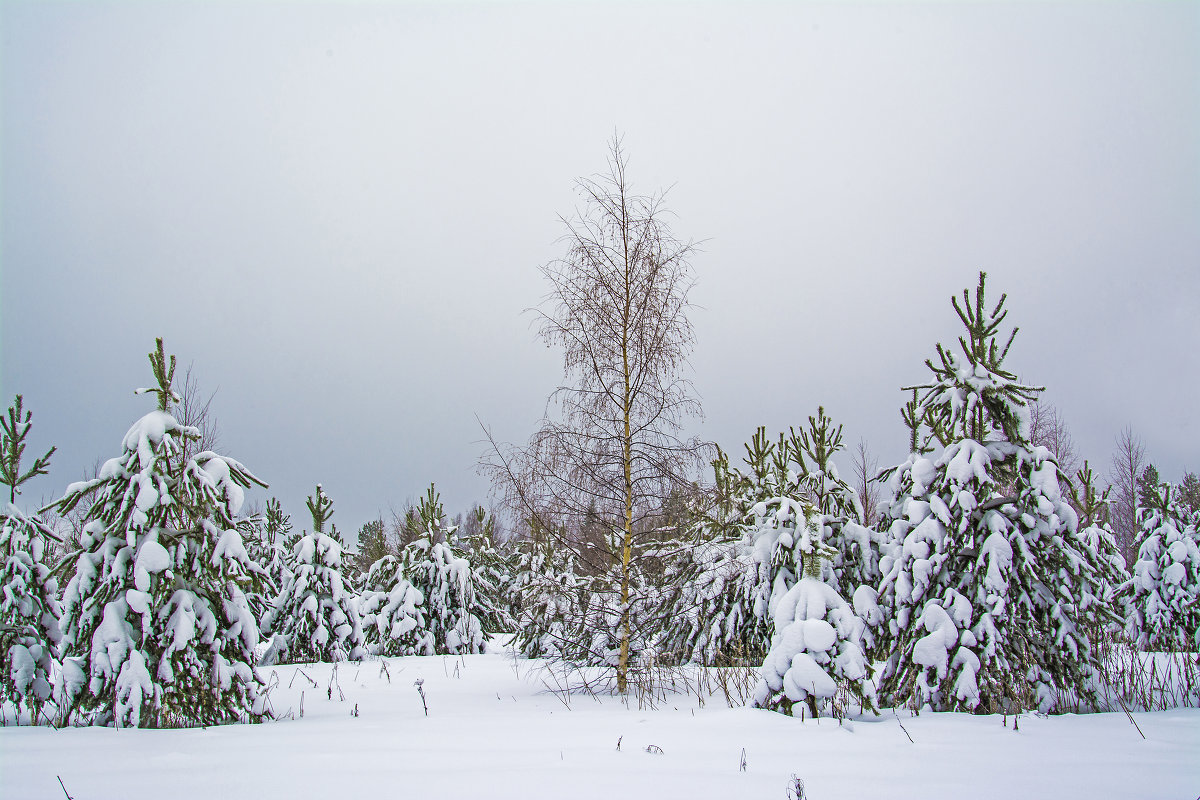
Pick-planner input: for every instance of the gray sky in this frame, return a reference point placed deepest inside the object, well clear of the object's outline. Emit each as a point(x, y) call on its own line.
point(337, 212)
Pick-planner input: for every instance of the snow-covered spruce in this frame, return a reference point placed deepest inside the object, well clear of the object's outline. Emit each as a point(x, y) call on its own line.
point(29, 612)
point(157, 631)
point(314, 617)
point(1161, 600)
point(393, 614)
point(817, 645)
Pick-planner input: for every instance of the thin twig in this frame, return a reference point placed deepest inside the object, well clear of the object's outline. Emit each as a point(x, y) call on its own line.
point(1125, 708)
point(901, 724)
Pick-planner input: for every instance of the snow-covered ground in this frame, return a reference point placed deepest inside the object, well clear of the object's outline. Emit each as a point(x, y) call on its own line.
point(495, 731)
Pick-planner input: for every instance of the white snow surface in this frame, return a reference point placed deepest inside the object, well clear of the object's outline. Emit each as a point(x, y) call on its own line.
point(494, 731)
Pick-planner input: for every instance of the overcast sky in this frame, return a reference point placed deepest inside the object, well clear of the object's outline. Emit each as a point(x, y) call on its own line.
point(336, 214)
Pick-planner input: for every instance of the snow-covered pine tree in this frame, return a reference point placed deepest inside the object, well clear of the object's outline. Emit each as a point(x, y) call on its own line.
point(578, 621)
point(491, 567)
point(856, 560)
point(1097, 542)
point(29, 606)
point(712, 620)
point(156, 625)
point(29, 612)
point(982, 577)
point(546, 588)
point(561, 606)
point(274, 542)
point(745, 590)
point(722, 586)
point(271, 542)
point(1162, 599)
point(1056, 575)
point(719, 596)
point(315, 617)
point(268, 541)
point(13, 431)
point(1189, 494)
point(393, 613)
point(373, 544)
point(454, 613)
point(1149, 486)
point(551, 593)
point(817, 646)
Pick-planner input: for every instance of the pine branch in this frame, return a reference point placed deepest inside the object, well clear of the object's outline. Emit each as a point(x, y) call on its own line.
point(13, 432)
point(164, 373)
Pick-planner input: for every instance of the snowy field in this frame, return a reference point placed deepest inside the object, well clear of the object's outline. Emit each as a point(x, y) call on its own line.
point(495, 731)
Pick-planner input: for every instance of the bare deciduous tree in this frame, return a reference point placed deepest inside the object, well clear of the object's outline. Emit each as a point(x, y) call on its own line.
point(866, 469)
point(611, 444)
point(195, 409)
point(1124, 470)
point(1048, 429)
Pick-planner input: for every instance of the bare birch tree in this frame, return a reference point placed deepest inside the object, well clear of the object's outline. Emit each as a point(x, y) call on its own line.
point(1124, 470)
point(195, 409)
point(611, 446)
point(866, 470)
point(1048, 429)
